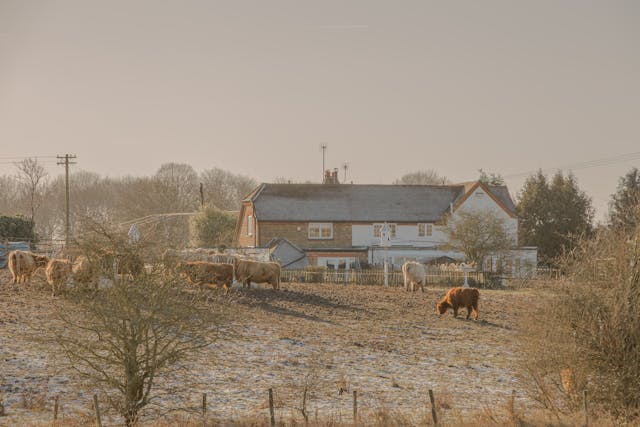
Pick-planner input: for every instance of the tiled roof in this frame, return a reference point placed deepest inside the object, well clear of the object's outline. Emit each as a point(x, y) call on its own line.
point(366, 203)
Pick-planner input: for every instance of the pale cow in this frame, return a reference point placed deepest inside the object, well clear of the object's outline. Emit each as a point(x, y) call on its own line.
point(207, 273)
point(258, 272)
point(84, 272)
point(58, 272)
point(415, 274)
point(23, 264)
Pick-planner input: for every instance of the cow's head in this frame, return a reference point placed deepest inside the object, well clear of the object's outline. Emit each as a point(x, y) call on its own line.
point(442, 307)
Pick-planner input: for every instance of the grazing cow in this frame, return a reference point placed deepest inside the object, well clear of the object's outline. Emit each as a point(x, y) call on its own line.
point(23, 264)
point(414, 274)
point(84, 272)
point(258, 272)
point(208, 273)
point(58, 272)
point(458, 298)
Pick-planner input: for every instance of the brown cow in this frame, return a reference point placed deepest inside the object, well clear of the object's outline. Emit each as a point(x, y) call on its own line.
point(208, 273)
point(84, 272)
point(58, 272)
point(23, 264)
point(258, 272)
point(458, 298)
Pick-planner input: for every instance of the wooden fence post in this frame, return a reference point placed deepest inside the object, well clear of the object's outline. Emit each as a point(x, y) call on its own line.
point(97, 410)
point(355, 407)
point(586, 414)
point(433, 408)
point(204, 409)
point(55, 408)
point(271, 409)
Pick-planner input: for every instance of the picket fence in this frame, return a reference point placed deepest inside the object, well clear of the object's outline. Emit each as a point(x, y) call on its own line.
point(376, 277)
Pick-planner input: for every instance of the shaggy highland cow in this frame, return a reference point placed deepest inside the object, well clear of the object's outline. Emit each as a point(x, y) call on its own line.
point(458, 298)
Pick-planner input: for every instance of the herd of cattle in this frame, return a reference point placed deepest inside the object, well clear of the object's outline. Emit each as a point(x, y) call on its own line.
point(82, 271)
point(203, 271)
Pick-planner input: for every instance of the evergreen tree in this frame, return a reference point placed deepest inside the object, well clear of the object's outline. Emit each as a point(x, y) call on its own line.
point(552, 213)
point(624, 208)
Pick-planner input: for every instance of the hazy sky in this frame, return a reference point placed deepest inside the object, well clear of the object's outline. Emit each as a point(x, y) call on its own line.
point(390, 86)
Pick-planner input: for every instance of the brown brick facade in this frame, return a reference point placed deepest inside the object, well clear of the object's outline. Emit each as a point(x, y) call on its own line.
point(242, 238)
point(298, 234)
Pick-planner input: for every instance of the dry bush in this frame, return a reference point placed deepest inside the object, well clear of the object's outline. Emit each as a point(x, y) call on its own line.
point(143, 329)
point(591, 326)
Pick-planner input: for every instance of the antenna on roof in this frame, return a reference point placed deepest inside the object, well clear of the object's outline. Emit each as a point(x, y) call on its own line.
point(323, 148)
point(345, 166)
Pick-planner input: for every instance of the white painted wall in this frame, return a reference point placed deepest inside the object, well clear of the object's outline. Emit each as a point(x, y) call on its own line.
point(481, 201)
point(406, 235)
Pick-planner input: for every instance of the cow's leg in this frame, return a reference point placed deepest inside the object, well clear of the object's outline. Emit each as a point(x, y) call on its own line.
point(455, 310)
point(468, 311)
point(475, 309)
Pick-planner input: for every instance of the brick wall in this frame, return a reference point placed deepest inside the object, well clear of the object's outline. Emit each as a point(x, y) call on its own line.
point(244, 240)
point(298, 232)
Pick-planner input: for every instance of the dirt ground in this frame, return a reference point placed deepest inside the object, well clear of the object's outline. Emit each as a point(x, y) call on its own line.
point(387, 344)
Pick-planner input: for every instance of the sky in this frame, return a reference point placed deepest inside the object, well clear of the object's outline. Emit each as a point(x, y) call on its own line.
point(255, 87)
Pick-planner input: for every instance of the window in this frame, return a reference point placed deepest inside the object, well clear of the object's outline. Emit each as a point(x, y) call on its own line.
point(425, 230)
point(378, 227)
point(319, 230)
point(249, 225)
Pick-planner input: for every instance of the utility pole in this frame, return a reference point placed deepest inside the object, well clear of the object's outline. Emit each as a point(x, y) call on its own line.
point(345, 166)
point(201, 195)
point(65, 160)
point(323, 147)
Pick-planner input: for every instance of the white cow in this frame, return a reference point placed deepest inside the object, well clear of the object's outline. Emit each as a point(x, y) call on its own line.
point(414, 274)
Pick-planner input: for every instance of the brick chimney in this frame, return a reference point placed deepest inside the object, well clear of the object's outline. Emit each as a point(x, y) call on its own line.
point(331, 176)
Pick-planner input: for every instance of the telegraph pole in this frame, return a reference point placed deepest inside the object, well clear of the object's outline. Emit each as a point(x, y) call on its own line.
point(65, 160)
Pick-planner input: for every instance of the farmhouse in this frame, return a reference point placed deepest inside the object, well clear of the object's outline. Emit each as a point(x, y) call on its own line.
point(340, 225)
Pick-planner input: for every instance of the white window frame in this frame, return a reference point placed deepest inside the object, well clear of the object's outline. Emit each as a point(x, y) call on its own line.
point(249, 225)
point(321, 226)
point(427, 229)
point(377, 228)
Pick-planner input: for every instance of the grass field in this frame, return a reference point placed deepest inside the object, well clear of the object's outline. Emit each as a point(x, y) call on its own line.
point(387, 344)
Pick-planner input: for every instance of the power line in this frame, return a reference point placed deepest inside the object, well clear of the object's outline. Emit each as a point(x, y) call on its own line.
point(606, 161)
point(17, 158)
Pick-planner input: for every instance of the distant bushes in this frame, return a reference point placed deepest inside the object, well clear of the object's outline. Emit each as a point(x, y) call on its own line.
point(16, 228)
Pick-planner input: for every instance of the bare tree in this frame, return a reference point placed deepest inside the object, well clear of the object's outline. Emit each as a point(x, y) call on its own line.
point(32, 177)
point(177, 187)
point(126, 338)
point(478, 234)
point(423, 177)
point(224, 189)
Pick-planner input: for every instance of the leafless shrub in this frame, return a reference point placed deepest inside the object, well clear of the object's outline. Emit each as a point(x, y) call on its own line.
point(128, 337)
point(591, 326)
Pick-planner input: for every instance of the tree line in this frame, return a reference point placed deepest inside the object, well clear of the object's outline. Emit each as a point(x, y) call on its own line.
point(175, 187)
point(553, 211)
